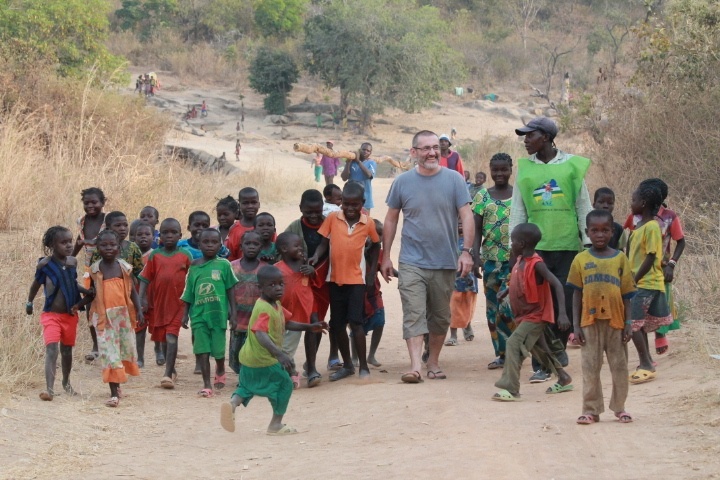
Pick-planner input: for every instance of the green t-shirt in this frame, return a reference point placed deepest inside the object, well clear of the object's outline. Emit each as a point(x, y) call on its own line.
point(271, 320)
point(549, 193)
point(496, 226)
point(206, 288)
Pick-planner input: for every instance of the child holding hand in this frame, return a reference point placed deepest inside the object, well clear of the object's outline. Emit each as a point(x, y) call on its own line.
point(603, 284)
point(299, 300)
point(57, 274)
point(265, 368)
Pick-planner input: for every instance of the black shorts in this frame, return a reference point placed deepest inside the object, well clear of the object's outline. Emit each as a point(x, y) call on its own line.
point(346, 305)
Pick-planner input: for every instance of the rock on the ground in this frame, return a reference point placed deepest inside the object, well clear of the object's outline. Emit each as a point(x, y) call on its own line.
point(199, 159)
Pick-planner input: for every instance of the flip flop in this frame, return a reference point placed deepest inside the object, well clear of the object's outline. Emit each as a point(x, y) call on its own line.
point(411, 377)
point(335, 365)
point(227, 417)
point(113, 402)
point(436, 375)
point(205, 393)
point(624, 417)
point(505, 396)
point(451, 342)
point(46, 397)
point(219, 381)
point(314, 380)
point(587, 419)
point(468, 334)
point(167, 383)
point(342, 373)
point(92, 356)
point(497, 363)
point(661, 345)
point(285, 430)
point(557, 388)
point(69, 390)
point(641, 376)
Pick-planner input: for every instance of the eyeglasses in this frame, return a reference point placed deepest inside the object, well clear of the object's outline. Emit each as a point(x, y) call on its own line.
point(427, 149)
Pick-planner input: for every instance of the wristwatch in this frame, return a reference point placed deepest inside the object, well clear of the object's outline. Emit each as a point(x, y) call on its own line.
point(470, 251)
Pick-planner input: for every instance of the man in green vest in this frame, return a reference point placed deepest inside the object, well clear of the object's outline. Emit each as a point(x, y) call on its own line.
point(550, 191)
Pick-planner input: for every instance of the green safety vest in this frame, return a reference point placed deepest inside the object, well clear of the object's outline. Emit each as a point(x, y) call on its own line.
point(549, 192)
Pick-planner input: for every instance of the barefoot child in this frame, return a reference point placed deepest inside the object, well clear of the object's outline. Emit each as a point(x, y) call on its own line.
point(374, 310)
point(151, 215)
point(299, 300)
point(164, 274)
point(492, 230)
point(265, 367)
point(603, 286)
point(649, 308)
point(532, 306)
point(115, 312)
point(307, 226)
point(90, 224)
point(208, 291)
point(265, 227)
point(345, 233)
point(57, 274)
point(246, 293)
point(142, 234)
point(249, 200)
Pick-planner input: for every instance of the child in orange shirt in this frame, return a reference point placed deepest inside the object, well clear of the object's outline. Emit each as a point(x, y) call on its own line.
point(345, 233)
point(298, 298)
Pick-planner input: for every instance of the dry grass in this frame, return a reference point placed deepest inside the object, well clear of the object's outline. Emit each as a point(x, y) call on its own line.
point(59, 138)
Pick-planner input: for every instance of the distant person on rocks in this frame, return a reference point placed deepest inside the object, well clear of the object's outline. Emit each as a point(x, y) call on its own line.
point(329, 165)
point(237, 150)
point(449, 158)
point(431, 199)
point(362, 169)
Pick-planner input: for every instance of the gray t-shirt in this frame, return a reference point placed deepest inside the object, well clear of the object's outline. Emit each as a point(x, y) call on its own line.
point(430, 217)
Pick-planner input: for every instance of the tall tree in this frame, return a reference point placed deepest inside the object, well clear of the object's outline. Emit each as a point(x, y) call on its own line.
point(273, 73)
point(281, 18)
point(68, 33)
point(381, 53)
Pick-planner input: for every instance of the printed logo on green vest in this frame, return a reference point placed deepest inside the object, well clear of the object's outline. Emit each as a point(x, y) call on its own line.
point(546, 192)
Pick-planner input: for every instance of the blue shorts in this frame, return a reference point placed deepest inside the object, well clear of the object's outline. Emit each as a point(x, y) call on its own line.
point(377, 320)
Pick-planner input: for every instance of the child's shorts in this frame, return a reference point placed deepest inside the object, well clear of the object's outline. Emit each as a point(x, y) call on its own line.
point(346, 305)
point(377, 320)
point(237, 340)
point(59, 327)
point(649, 310)
point(158, 333)
point(208, 340)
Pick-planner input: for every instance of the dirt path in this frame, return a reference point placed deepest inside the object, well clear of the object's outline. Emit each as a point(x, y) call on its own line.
point(380, 428)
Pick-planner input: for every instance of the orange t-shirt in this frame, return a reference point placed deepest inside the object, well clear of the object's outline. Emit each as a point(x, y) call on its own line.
point(347, 247)
point(529, 301)
point(298, 296)
point(233, 240)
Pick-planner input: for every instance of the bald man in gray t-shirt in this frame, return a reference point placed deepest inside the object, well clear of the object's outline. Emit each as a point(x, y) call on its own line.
point(431, 198)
